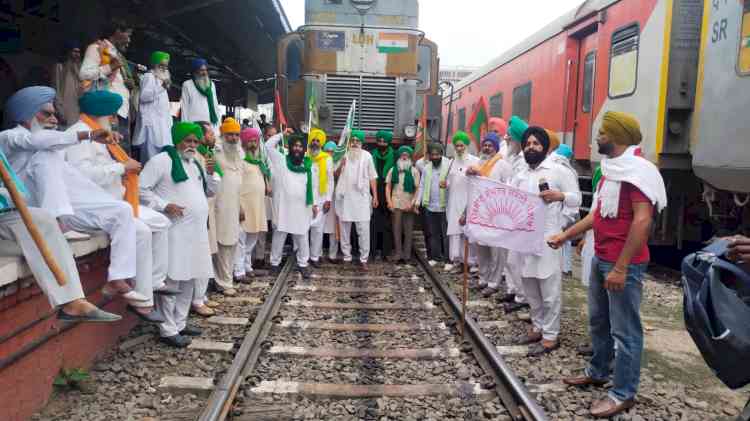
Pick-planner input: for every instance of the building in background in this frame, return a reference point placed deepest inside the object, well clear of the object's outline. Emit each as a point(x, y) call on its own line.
point(454, 74)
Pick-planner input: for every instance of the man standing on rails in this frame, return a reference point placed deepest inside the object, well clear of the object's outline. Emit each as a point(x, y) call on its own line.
point(630, 189)
point(175, 183)
point(155, 117)
point(458, 195)
point(356, 197)
point(381, 232)
point(542, 274)
point(199, 100)
point(323, 184)
point(401, 185)
point(230, 160)
point(119, 178)
point(491, 259)
point(433, 198)
point(294, 200)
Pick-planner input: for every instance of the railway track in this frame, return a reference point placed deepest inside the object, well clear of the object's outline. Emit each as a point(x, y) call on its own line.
point(385, 344)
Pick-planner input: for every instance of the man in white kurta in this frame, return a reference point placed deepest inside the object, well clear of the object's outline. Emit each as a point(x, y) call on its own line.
point(34, 148)
point(154, 115)
point(492, 260)
point(95, 161)
point(293, 200)
point(227, 205)
point(458, 194)
point(199, 100)
point(323, 184)
point(562, 156)
point(174, 183)
point(356, 197)
point(330, 224)
point(15, 241)
point(253, 191)
point(542, 276)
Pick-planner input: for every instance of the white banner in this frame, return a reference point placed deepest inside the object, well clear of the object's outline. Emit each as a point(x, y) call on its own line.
point(499, 215)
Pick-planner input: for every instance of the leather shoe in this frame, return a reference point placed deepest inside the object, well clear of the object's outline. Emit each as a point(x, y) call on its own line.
point(585, 350)
point(506, 298)
point(165, 290)
point(513, 307)
point(584, 380)
point(489, 292)
point(154, 316)
point(541, 348)
point(203, 310)
point(363, 266)
point(191, 331)
point(607, 407)
point(96, 316)
point(177, 341)
point(529, 339)
point(275, 270)
point(315, 264)
point(229, 292)
point(212, 303)
point(305, 272)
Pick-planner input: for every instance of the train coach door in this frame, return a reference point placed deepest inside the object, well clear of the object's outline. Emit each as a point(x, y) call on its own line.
point(584, 113)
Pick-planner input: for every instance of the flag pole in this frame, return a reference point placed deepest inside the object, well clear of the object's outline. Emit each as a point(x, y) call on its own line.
point(466, 287)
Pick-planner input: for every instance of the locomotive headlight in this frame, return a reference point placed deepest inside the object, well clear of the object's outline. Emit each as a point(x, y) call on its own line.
point(410, 131)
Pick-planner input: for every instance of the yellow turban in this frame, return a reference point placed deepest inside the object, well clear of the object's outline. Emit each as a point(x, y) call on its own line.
point(622, 128)
point(230, 125)
point(316, 134)
point(554, 140)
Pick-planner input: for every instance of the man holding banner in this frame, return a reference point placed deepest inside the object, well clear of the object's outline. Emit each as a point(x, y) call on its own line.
point(542, 272)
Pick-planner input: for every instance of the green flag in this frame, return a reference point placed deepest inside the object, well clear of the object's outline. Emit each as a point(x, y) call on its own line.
point(478, 122)
point(343, 145)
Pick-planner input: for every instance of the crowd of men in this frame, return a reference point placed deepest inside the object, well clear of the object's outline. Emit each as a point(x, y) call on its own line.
point(205, 195)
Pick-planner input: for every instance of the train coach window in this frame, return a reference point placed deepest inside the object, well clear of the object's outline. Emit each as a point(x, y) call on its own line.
point(743, 60)
point(462, 119)
point(522, 101)
point(589, 64)
point(623, 61)
point(496, 105)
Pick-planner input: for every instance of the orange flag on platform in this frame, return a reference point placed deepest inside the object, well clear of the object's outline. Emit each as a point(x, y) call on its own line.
point(130, 180)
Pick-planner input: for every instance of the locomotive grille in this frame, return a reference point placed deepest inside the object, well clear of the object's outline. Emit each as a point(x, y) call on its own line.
point(376, 101)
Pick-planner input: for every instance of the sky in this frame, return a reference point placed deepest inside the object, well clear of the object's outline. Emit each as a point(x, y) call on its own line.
point(471, 32)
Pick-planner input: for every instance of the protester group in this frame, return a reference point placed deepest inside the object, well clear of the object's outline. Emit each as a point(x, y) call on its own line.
point(205, 195)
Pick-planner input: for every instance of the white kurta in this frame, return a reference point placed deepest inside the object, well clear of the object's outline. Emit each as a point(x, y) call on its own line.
point(293, 215)
point(228, 198)
point(95, 162)
point(458, 191)
point(194, 106)
point(154, 124)
point(189, 251)
point(100, 74)
point(320, 198)
point(353, 196)
point(253, 199)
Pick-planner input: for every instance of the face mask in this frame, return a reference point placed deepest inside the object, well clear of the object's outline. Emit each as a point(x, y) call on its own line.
point(533, 157)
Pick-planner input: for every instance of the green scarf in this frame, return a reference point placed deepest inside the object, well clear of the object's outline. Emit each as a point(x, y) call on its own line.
point(305, 167)
point(209, 94)
point(387, 160)
point(178, 171)
point(263, 167)
point(209, 153)
point(409, 186)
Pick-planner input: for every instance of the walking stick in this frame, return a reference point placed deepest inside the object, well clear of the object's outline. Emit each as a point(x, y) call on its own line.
point(466, 288)
point(20, 203)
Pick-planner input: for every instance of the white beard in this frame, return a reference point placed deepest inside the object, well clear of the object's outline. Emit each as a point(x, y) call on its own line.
point(354, 154)
point(203, 82)
point(484, 157)
point(404, 165)
point(35, 125)
point(162, 75)
point(104, 123)
point(187, 155)
point(314, 151)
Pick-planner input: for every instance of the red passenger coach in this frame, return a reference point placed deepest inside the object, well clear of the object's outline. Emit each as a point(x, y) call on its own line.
point(637, 56)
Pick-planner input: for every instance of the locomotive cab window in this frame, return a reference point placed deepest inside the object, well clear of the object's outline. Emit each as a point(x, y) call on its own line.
point(743, 60)
point(623, 61)
point(522, 101)
point(496, 106)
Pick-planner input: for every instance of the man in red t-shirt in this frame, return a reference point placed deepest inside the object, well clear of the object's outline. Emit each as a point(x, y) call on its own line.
point(622, 213)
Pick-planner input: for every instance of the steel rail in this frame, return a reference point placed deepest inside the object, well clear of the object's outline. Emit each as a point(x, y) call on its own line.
point(222, 397)
point(521, 399)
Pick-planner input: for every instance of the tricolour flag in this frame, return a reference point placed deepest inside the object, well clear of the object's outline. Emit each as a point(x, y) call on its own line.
point(393, 43)
point(478, 122)
point(498, 215)
point(343, 144)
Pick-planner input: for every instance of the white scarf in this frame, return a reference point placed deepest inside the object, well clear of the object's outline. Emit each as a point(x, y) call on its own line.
point(354, 168)
point(632, 169)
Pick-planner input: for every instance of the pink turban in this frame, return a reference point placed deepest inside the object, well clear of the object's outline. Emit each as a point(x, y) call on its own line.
point(499, 125)
point(248, 134)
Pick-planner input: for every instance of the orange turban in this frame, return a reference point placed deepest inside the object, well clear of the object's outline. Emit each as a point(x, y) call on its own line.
point(554, 140)
point(622, 128)
point(230, 125)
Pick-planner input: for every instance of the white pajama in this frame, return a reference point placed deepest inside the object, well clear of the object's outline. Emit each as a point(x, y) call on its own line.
point(363, 239)
point(492, 262)
point(176, 308)
point(316, 242)
point(15, 240)
point(199, 291)
point(456, 250)
point(153, 239)
point(545, 300)
point(567, 257)
point(301, 247)
point(513, 278)
point(225, 266)
point(243, 255)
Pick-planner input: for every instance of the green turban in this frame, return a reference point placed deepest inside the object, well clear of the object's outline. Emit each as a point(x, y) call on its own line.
point(385, 135)
point(405, 150)
point(159, 57)
point(184, 129)
point(358, 134)
point(461, 137)
point(99, 103)
point(517, 127)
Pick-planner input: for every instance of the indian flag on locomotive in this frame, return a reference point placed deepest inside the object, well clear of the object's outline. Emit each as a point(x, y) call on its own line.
point(389, 43)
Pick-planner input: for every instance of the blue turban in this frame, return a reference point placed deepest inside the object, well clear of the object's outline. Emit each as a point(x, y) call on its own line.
point(564, 150)
point(197, 63)
point(24, 104)
point(494, 138)
point(100, 103)
point(330, 146)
